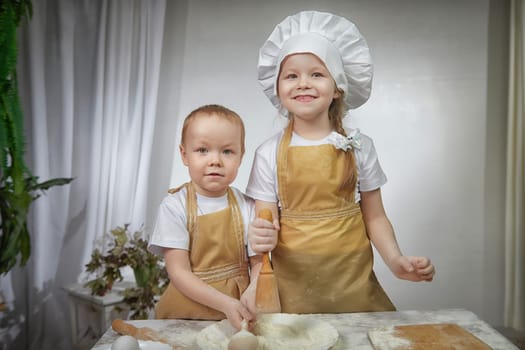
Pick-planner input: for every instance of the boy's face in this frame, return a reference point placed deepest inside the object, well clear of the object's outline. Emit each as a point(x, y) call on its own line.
point(212, 152)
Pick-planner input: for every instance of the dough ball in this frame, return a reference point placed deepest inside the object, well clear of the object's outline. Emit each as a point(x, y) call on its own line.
point(125, 342)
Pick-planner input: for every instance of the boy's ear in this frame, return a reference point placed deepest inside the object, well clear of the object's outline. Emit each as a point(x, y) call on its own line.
point(183, 154)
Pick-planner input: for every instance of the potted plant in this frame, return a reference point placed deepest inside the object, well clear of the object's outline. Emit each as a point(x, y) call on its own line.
point(128, 249)
point(18, 186)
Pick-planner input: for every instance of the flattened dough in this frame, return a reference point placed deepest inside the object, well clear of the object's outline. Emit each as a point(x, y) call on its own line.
point(274, 332)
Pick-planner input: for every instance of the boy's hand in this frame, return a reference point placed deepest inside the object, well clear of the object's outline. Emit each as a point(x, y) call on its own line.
point(248, 299)
point(235, 311)
point(262, 235)
point(413, 268)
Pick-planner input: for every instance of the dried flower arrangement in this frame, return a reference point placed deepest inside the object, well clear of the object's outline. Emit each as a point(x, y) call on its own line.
point(128, 249)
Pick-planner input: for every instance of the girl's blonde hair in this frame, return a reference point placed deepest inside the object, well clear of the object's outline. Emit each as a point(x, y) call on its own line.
point(217, 110)
point(336, 112)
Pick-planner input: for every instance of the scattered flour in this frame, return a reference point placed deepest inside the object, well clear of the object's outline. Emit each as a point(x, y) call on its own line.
point(275, 332)
point(385, 338)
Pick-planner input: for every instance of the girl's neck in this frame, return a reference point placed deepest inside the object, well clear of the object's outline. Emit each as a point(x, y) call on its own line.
point(311, 129)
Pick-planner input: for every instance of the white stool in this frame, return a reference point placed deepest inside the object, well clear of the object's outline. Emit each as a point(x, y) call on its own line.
point(92, 315)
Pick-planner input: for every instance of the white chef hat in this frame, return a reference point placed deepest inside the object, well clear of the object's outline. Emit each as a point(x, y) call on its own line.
point(335, 40)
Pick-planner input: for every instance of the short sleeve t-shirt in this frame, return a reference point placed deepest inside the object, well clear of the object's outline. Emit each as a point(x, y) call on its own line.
point(171, 226)
point(263, 185)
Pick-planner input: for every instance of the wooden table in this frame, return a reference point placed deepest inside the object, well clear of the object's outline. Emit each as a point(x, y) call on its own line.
point(352, 327)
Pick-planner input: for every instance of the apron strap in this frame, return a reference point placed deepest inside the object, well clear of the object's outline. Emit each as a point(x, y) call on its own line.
point(237, 224)
point(282, 163)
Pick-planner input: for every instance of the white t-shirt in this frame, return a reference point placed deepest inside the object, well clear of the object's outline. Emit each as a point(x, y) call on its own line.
point(262, 184)
point(171, 226)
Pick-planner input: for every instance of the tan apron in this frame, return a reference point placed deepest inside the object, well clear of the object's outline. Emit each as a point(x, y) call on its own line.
point(217, 256)
point(323, 260)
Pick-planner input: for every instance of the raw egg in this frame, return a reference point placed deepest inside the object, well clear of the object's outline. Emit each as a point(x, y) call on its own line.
point(125, 342)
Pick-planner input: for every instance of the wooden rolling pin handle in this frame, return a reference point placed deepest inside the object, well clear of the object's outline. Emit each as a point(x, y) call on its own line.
point(266, 214)
point(266, 261)
point(142, 333)
point(124, 328)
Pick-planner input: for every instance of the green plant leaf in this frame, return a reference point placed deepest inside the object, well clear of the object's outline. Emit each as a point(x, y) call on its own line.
point(18, 187)
point(50, 183)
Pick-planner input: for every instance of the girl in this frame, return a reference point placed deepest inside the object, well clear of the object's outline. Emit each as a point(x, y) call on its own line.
point(201, 225)
point(322, 180)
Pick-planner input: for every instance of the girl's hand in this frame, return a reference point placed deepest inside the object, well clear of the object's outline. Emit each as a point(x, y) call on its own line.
point(413, 268)
point(235, 311)
point(262, 235)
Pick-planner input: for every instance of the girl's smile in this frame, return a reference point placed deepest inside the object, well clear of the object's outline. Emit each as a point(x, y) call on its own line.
point(304, 98)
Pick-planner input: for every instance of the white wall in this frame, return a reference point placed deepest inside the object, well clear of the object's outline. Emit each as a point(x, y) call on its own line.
point(428, 115)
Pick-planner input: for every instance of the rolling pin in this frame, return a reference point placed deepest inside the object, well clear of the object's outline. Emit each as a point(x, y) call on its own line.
point(141, 333)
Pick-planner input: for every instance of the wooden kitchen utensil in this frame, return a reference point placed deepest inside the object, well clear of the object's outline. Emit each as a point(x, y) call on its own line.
point(267, 293)
point(141, 333)
point(439, 336)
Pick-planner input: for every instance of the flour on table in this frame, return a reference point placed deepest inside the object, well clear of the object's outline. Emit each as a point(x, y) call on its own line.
point(275, 331)
point(385, 338)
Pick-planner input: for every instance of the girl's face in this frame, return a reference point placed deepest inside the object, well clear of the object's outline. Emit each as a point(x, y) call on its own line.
point(306, 88)
point(212, 152)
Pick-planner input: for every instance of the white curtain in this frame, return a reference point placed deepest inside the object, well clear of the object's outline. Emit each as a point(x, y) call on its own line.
point(89, 77)
point(515, 188)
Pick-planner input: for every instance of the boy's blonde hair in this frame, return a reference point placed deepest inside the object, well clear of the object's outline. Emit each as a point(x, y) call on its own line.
point(217, 110)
